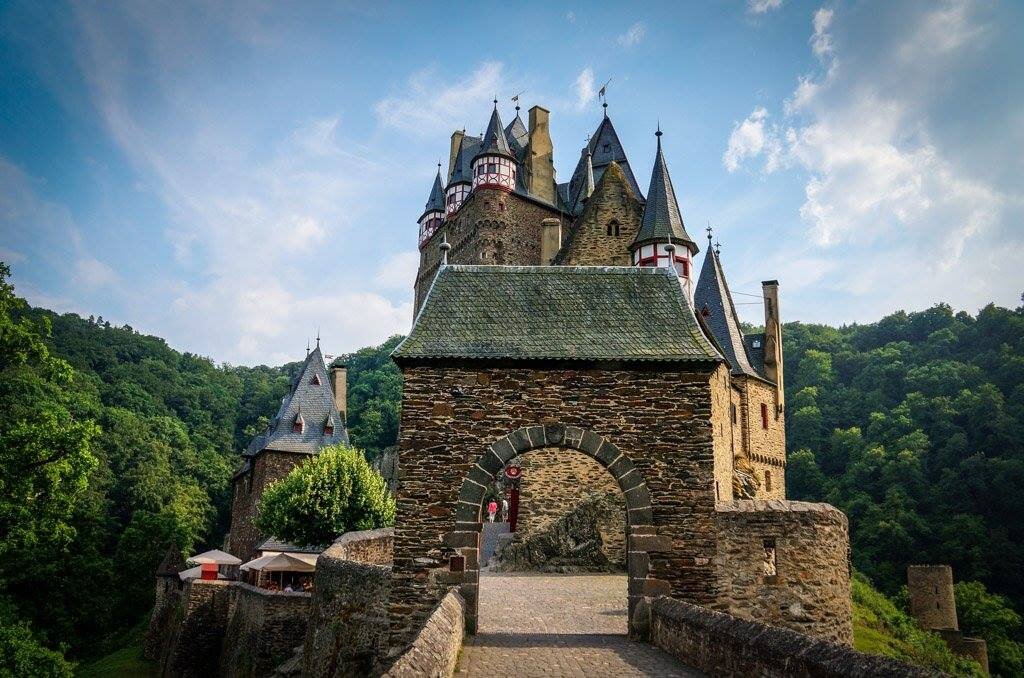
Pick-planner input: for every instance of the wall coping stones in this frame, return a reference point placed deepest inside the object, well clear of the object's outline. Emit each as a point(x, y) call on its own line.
point(721, 644)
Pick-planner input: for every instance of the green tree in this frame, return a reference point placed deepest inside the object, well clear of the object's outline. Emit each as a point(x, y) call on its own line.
point(21, 654)
point(332, 493)
point(990, 616)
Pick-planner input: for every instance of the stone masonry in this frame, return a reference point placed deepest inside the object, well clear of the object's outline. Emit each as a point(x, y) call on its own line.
point(267, 468)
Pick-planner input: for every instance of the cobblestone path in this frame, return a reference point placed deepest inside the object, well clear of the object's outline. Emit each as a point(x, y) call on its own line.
point(558, 625)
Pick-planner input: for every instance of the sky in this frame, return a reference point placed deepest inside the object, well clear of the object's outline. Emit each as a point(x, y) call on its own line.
point(238, 176)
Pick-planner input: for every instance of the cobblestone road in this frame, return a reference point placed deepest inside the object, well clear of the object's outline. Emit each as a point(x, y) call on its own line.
point(558, 625)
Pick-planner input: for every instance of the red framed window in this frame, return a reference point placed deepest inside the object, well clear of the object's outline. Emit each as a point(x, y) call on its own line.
point(764, 415)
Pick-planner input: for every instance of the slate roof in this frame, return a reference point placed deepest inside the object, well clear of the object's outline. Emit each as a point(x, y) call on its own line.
point(494, 141)
point(606, 147)
point(315, 402)
point(436, 200)
point(462, 170)
point(581, 186)
point(275, 544)
point(556, 312)
point(712, 300)
point(662, 217)
point(755, 353)
point(517, 136)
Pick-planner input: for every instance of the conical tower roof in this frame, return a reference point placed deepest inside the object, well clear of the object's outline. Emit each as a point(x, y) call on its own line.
point(311, 398)
point(713, 302)
point(435, 203)
point(517, 135)
point(494, 141)
point(662, 218)
point(606, 148)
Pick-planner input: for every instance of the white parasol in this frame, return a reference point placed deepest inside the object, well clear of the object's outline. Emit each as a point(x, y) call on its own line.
point(214, 557)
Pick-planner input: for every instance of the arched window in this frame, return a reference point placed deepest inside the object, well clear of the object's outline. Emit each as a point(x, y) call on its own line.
point(612, 228)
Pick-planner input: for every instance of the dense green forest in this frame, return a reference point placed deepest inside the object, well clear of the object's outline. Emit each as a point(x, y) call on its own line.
point(115, 445)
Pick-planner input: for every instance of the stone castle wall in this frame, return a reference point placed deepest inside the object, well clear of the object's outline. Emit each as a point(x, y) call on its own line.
point(435, 650)
point(807, 588)
point(766, 447)
point(721, 645)
point(723, 428)
point(590, 243)
point(194, 646)
point(267, 468)
point(554, 480)
point(656, 420)
point(263, 629)
point(491, 227)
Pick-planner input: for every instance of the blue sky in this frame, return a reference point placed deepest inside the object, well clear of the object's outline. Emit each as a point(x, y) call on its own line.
point(235, 176)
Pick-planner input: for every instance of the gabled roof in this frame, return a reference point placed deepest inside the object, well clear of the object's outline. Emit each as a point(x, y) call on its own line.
point(435, 203)
point(581, 186)
point(494, 141)
point(662, 218)
point(712, 300)
point(315, 403)
point(517, 136)
point(462, 170)
point(275, 544)
point(605, 147)
point(593, 313)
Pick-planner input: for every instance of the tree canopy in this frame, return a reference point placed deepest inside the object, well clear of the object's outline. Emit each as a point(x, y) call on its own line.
point(334, 492)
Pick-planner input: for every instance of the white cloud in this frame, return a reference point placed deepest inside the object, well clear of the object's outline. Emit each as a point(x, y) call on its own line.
point(92, 272)
point(429, 103)
point(9, 256)
point(584, 88)
point(398, 272)
point(632, 36)
point(751, 138)
point(570, 16)
point(762, 6)
point(821, 39)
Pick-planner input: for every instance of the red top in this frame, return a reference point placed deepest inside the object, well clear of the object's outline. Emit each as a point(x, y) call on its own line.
point(492, 507)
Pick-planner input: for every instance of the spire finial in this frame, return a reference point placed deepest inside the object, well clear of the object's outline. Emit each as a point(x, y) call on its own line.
point(495, 102)
point(605, 106)
point(445, 247)
point(718, 247)
point(307, 347)
point(709, 229)
point(658, 132)
point(318, 337)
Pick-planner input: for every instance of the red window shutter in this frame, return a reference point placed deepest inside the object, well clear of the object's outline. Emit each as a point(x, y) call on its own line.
point(764, 415)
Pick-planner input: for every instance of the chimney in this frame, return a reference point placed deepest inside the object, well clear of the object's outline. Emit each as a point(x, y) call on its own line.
point(456, 142)
point(339, 381)
point(550, 240)
point(773, 340)
point(540, 165)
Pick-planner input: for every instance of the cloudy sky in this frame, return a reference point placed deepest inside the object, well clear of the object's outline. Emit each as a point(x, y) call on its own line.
point(234, 176)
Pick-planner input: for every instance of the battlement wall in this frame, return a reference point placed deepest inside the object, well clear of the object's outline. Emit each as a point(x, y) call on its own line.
point(722, 645)
point(786, 563)
point(263, 628)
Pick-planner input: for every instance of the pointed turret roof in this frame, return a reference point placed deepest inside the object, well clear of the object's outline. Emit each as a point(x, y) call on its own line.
point(605, 147)
point(662, 218)
point(517, 135)
point(581, 186)
point(435, 203)
point(310, 398)
point(713, 302)
point(462, 170)
point(494, 141)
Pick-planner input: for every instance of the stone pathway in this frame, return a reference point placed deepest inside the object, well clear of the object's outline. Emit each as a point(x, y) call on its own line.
point(558, 625)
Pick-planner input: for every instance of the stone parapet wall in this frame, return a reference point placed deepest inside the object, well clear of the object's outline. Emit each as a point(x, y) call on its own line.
point(263, 629)
point(194, 648)
point(722, 645)
point(347, 627)
point(809, 591)
point(435, 650)
point(374, 547)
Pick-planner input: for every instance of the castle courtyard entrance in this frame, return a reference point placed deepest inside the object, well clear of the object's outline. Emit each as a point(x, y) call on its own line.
point(558, 625)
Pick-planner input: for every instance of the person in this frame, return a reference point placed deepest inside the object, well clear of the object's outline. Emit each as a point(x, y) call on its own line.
point(492, 508)
point(289, 589)
point(504, 510)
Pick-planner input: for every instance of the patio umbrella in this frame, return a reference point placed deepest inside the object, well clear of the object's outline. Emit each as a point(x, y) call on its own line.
point(214, 557)
point(195, 573)
point(282, 562)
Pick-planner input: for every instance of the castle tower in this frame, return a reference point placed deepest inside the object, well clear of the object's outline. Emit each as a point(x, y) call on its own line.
point(931, 596)
point(460, 174)
point(494, 165)
point(433, 213)
point(307, 421)
point(662, 224)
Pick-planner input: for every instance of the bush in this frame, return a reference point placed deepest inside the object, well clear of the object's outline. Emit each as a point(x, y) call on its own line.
point(21, 654)
point(333, 493)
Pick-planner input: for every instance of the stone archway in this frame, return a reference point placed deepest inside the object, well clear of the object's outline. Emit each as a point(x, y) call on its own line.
point(641, 535)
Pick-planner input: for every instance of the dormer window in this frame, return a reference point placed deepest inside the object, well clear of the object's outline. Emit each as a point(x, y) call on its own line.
point(329, 427)
point(757, 343)
point(315, 381)
point(299, 425)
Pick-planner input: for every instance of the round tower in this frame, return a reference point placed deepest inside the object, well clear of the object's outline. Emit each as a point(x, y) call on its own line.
point(931, 596)
point(433, 213)
point(494, 166)
point(662, 239)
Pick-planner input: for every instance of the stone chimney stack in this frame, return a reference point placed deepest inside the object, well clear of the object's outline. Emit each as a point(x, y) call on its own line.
point(456, 142)
point(339, 382)
point(540, 164)
point(550, 240)
point(773, 340)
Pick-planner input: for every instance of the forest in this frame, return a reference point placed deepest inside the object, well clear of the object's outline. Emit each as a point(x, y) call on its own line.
point(116, 445)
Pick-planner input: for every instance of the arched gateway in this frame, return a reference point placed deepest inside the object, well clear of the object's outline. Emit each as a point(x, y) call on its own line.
point(640, 530)
point(504, 360)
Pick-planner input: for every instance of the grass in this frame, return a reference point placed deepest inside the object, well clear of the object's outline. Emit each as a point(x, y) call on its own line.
point(125, 662)
point(879, 627)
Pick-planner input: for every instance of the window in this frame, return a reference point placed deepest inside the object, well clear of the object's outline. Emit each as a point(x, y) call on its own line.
point(612, 228)
point(764, 415)
point(329, 428)
point(771, 568)
point(768, 481)
point(315, 380)
point(757, 343)
point(451, 199)
point(491, 168)
point(732, 407)
point(299, 425)
point(718, 494)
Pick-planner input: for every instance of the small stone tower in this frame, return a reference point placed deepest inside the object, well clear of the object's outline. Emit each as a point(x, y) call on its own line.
point(494, 165)
point(433, 213)
point(662, 239)
point(933, 606)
